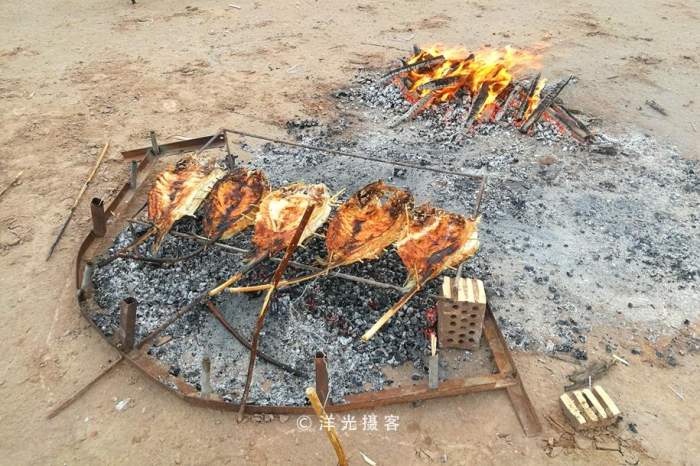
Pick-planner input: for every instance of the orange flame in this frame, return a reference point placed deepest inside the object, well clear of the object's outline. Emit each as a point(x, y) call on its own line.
point(493, 67)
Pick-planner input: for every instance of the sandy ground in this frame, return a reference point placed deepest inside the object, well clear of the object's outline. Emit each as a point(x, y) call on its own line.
point(75, 74)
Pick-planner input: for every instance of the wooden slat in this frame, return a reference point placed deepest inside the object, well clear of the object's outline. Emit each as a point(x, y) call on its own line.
point(447, 287)
point(585, 407)
point(572, 412)
point(593, 401)
point(462, 290)
point(607, 401)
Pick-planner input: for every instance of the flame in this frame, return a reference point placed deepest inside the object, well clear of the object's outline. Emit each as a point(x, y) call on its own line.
point(535, 99)
point(493, 67)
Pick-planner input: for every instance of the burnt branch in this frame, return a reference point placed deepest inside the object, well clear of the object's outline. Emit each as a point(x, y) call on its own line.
point(544, 105)
point(526, 100)
point(413, 66)
point(477, 105)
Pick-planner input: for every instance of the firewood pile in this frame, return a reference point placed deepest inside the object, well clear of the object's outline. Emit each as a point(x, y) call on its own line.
point(494, 85)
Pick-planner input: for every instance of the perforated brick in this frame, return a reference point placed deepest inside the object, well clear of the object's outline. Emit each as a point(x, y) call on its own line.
point(461, 313)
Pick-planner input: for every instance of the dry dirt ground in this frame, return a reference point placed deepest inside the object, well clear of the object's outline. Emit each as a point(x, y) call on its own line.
point(74, 74)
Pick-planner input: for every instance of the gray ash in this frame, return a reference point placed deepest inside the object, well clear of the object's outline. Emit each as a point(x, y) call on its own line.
point(327, 314)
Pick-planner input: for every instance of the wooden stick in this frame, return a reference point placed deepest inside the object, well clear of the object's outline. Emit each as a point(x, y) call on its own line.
point(390, 313)
point(291, 247)
point(282, 284)
point(12, 183)
point(415, 110)
point(237, 276)
point(69, 401)
point(77, 199)
point(330, 429)
point(406, 68)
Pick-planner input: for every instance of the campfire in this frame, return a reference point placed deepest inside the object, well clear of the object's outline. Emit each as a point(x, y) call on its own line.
point(493, 84)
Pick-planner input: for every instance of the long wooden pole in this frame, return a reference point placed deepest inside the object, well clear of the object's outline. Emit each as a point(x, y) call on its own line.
point(77, 199)
point(330, 429)
point(291, 247)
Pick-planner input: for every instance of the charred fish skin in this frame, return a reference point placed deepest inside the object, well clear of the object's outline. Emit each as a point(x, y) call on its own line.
point(281, 211)
point(177, 192)
point(367, 223)
point(233, 203)
point(437, 240)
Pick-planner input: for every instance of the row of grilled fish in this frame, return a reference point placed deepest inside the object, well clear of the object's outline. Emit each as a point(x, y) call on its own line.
point(428, 240)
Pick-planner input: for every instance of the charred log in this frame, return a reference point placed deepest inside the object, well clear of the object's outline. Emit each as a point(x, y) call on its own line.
point(526, 100)
point(515, 90)
point(439, 83)
point(477, 105)
point(415, 109)
point(413, 66)
point(544, 105)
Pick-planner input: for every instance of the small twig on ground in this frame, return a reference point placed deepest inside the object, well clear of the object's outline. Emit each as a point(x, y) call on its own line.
point(12, 183)
point(678, 394)
point(618, 358)
point(69, 401)
point(652, 103)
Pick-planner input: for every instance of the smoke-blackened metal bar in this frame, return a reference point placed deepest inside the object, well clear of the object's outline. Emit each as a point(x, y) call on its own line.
point(99, 221)
point(320, 364)
point(127, 324)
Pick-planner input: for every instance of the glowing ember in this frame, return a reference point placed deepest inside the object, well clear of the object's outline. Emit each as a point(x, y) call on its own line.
point(447, 71)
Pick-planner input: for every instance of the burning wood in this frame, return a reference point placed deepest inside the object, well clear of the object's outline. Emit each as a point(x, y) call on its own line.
point(477, 105)
point(455, 70)
point(484, 80)
point(515, 90)
point(435, 241)
point(525, 104)
point(233, 203)
point(569, 120)
point(439, 83)
point(177, 192)
point(415, 109)
point(544, 105)
point(413, 65)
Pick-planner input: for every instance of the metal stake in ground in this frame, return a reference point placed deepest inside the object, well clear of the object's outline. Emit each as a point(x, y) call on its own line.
point(77, 200)
point(266, 304)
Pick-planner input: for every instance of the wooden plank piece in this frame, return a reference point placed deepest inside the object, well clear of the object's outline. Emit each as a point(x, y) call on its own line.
point(607, 401)
point(572, 412)
point(585, 407)
point(593, 401)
